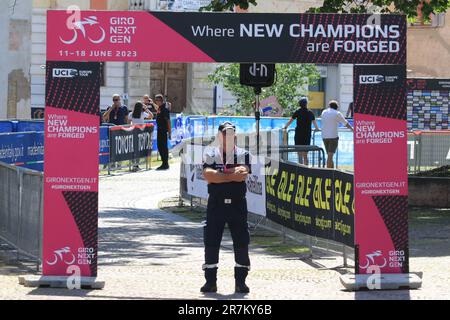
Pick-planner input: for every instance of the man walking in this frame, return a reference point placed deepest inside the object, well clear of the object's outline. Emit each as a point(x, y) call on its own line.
point(331, 118)
point(226, 168)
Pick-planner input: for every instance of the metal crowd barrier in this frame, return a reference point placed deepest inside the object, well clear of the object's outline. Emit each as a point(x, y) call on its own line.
point(286, 150)
point(428, 150)
point(110, 167)
point(317, 246)
point(317, 152)
point(21, 210)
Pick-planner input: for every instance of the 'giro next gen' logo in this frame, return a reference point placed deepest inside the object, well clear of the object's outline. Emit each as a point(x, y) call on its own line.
point(375, 259)
point(81, 26)
point(64, 255)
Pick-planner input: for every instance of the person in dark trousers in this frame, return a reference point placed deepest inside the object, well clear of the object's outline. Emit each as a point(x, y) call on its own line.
point(226, 168)
point(164, 130)
point(305, 118)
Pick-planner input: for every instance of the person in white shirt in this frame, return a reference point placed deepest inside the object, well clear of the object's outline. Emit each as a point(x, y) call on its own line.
point(331, 118)
point(138, 116)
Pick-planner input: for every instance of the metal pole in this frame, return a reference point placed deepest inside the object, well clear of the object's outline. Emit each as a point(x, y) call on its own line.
point(344, 255)
point(283, 231)
point(258, 120)
point(40, 222)
point(19, 224)
point(109, 157)
point(257, 117)
point(337, 157)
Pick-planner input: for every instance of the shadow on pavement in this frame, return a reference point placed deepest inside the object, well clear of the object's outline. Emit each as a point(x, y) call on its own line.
point(51, 292)
point(138, 236)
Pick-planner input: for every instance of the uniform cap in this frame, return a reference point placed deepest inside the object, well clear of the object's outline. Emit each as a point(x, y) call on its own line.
point(226, 125)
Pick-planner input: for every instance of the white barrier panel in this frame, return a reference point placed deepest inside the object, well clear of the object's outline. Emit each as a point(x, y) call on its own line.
point(198, 187)
point(256, 189)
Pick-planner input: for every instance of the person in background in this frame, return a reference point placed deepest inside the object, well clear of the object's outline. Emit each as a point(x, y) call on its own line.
point(305, 118)
point(331, 118)
point(168, 104)
point(117, 113)
point(149, 105)
point(138, 116)
point(164, 130)
point(350, 111)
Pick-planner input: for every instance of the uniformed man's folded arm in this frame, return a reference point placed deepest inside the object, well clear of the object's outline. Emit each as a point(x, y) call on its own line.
point(215, 176)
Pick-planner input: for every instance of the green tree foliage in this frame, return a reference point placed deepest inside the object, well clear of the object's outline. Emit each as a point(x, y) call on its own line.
point(227, 5)
point(408, 7)
point(291, 83)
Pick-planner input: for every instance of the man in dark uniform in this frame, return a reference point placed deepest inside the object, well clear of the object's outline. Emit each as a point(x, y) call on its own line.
point(164, 130)
point(226, 168)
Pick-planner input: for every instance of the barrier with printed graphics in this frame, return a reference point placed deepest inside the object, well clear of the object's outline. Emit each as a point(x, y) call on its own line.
point(130, 143)
point(72, 93)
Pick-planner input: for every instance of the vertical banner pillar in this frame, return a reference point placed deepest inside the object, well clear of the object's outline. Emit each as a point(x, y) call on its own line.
point(71, 169)
point(381, 169)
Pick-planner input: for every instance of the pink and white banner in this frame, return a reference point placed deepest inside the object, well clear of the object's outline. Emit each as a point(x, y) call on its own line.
point(71, 168)
point(381, 178)
point(224, 37)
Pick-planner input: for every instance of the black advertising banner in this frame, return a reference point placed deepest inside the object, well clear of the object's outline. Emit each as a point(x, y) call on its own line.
point(229, 37)
point(71, 169)
point(311, 201)
point(429, 84)
point(381, 168)
point(344, 208)
point(279, 196)
point(274, 37)
point(128, 143)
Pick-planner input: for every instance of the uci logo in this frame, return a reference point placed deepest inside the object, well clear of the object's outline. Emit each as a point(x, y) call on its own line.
point(65, 73)
point(371, 79)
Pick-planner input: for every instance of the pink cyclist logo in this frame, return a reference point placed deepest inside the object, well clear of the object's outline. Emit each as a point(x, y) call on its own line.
point(82, 26)
point(64, 255)
point(375, 259)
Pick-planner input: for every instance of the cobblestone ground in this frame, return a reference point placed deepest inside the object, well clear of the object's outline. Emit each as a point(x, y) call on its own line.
point(146, 253)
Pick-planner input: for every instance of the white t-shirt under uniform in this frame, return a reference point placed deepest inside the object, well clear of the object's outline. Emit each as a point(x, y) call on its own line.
point(330, 123)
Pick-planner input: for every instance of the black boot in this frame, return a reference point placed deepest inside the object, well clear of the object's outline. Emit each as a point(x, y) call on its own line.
point(211, 280)
point(240, 274)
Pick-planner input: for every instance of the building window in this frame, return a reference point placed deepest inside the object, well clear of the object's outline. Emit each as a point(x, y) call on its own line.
point(99, 4)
